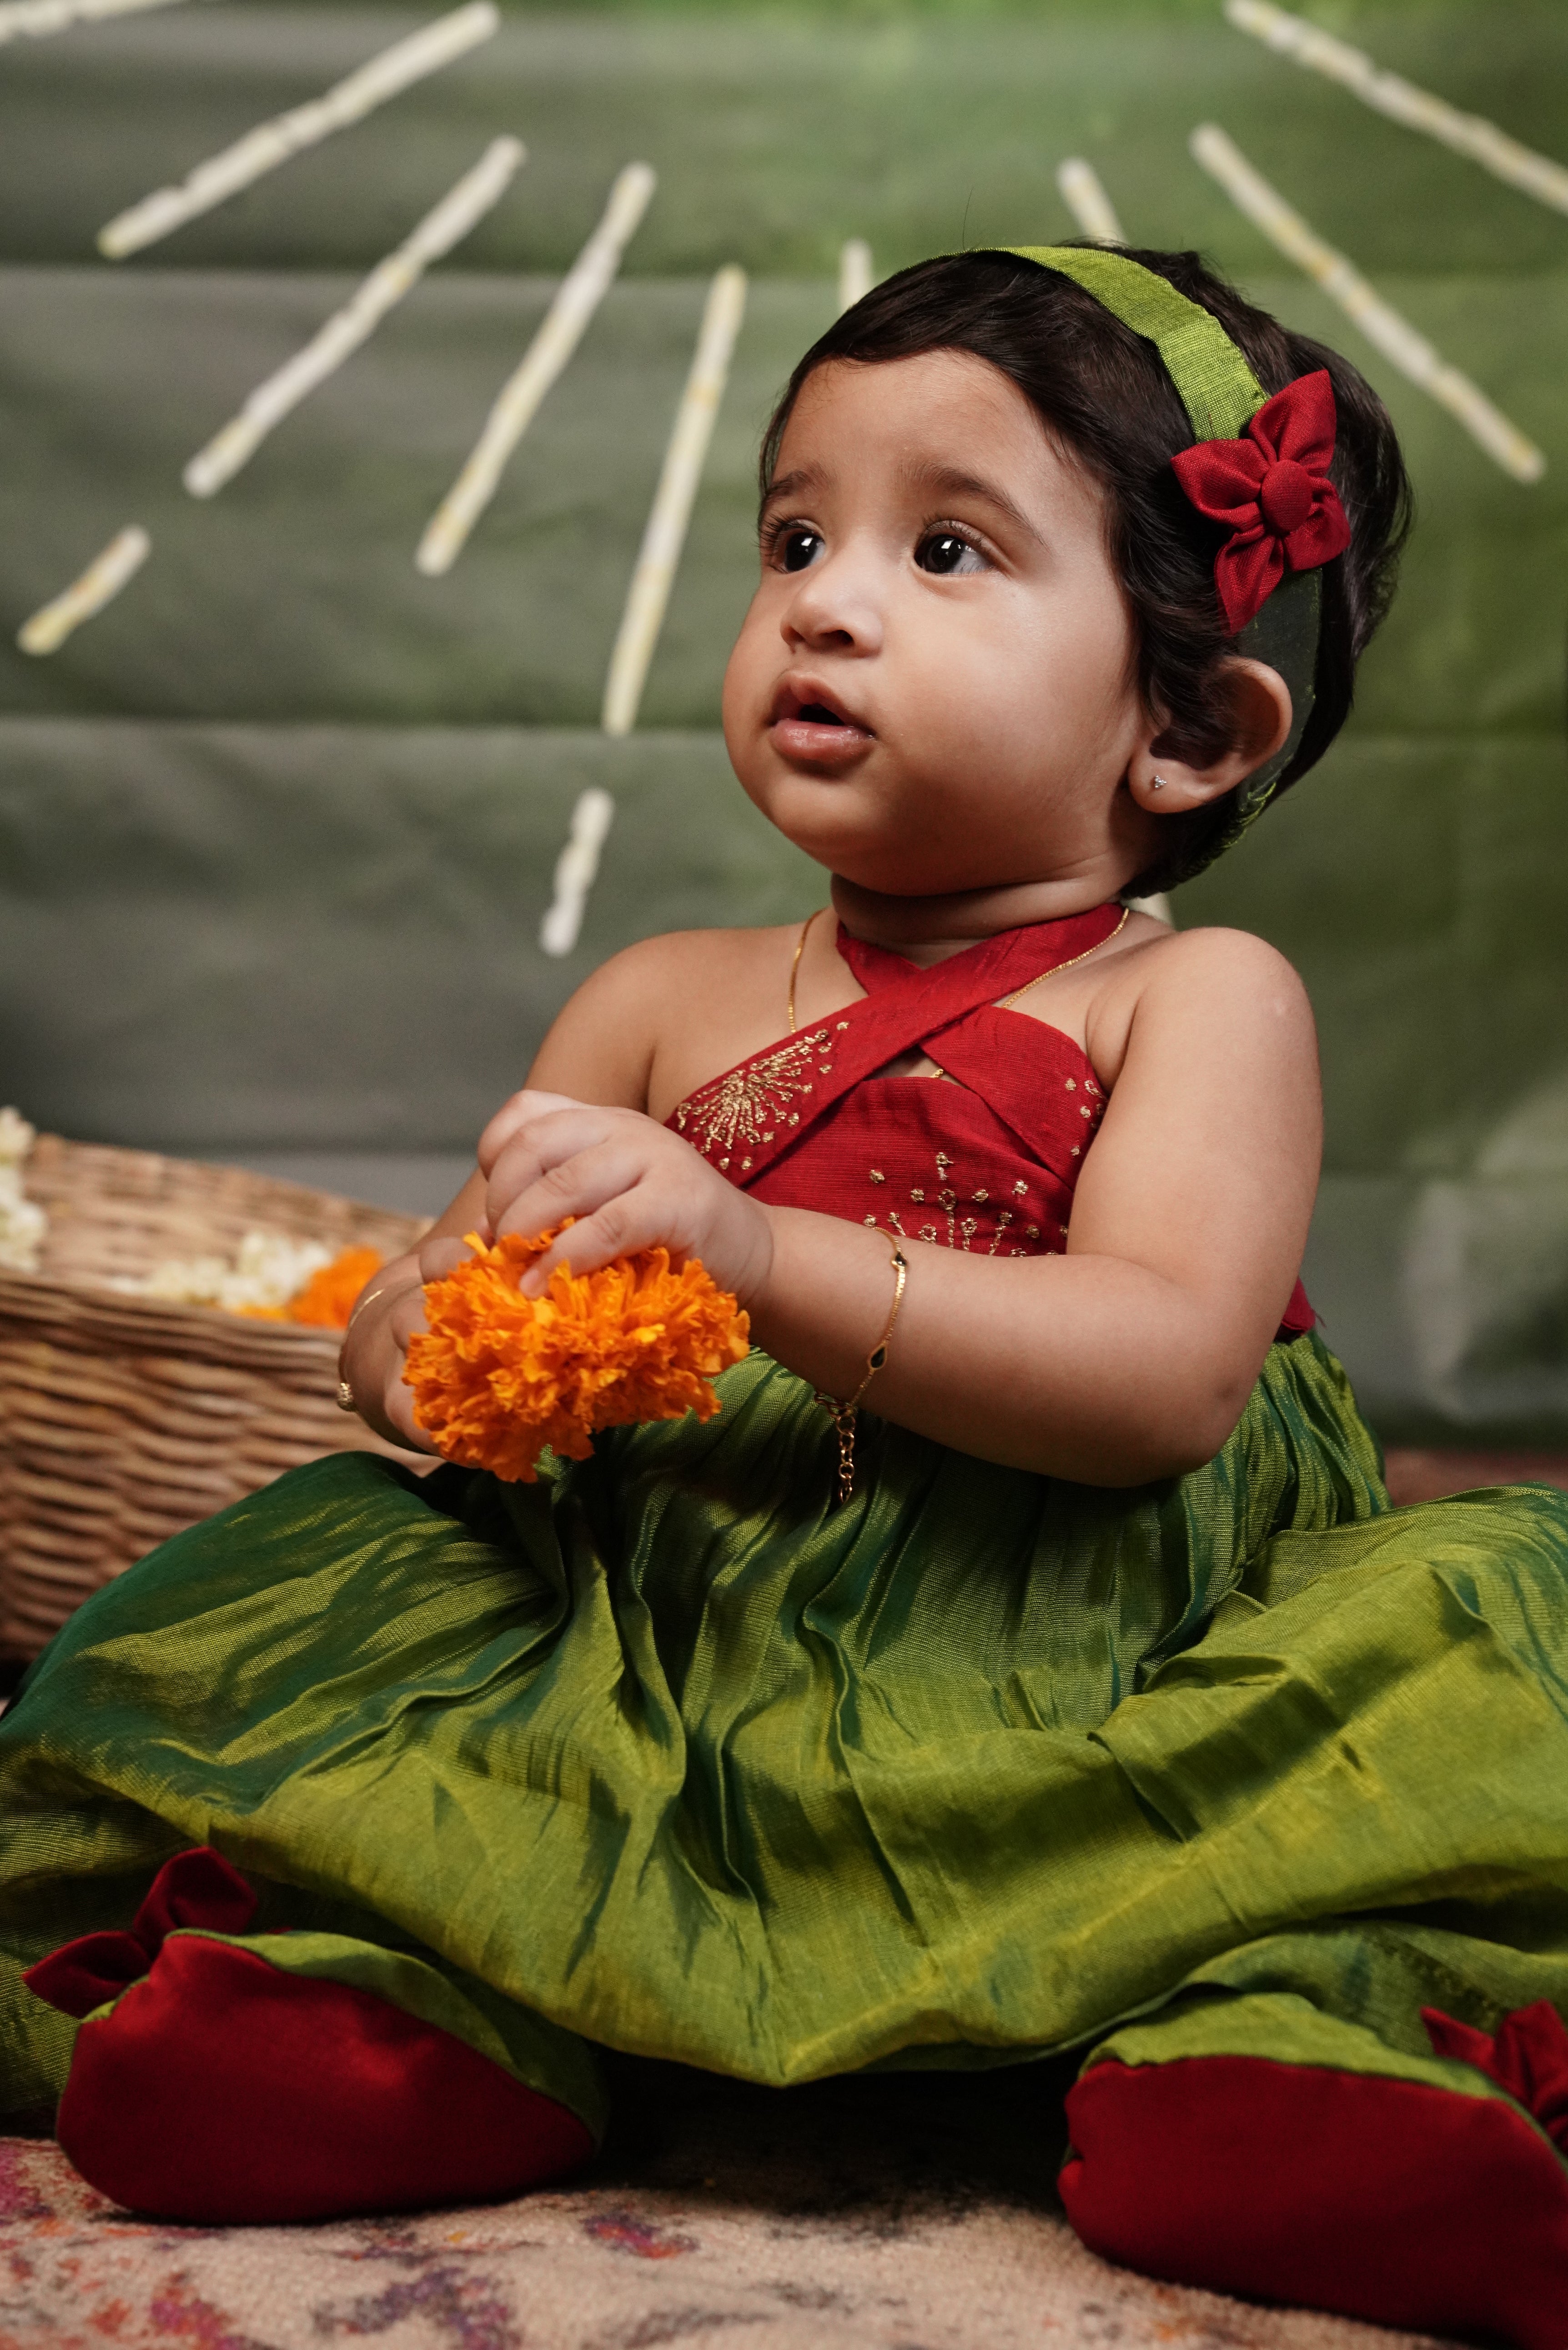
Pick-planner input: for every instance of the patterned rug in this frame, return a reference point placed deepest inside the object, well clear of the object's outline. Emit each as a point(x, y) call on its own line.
point(886, 2214)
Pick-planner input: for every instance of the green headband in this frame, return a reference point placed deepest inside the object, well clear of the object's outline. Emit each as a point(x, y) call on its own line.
point(1221, 395)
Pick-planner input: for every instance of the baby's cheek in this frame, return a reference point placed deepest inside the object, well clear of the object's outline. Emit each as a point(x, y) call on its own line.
point(755, 658)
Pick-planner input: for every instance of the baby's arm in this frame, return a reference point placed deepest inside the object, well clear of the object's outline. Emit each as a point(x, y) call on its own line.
point(1129, 1359)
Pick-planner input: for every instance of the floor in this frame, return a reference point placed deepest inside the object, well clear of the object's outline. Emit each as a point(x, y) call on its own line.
point(884, 2214)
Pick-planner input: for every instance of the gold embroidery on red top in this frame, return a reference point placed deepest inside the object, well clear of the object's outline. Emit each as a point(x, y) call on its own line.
point(747, 1105)
point(962, 1231)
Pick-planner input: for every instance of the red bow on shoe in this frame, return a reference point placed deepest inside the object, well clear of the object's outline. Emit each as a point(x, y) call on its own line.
point(1529, 2058)
point(195, 1888)
point(1271, 491)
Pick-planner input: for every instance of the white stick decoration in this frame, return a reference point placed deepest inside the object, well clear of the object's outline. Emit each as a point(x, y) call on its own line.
point(270, 143)
point(40, 16)
point(576, 869)
point(856, 278)
point(577, 297)
point(1403, 101)
point(1378, 321)
point(1084, 194)
point(459, 211)
point(102, 580)
point(672, 501)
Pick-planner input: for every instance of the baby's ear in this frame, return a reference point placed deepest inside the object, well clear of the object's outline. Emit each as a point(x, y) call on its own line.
point(1258, 714)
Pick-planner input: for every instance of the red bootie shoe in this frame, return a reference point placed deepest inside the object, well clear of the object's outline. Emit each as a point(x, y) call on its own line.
point(220, 2088)
point(1395, 2200)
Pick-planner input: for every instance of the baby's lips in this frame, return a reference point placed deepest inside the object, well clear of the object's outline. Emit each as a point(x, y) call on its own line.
point(822, 746)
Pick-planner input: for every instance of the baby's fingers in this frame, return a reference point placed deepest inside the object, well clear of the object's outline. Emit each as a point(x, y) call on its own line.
point(633, 1220)
point(439, 1254)
point(578, 1187)
point(512, 1118)
point(399, 1406)
point(535, 1180)
point(408, 1313)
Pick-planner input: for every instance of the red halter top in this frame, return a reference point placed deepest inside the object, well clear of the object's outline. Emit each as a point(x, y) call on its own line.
point(987, 1163)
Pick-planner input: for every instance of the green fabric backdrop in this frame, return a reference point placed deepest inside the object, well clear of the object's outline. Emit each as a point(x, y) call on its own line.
point(277, 830)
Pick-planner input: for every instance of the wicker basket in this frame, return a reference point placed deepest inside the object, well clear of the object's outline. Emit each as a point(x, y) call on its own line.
point(122, 1420)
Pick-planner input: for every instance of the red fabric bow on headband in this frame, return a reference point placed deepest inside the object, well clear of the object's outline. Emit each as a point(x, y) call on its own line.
point(1271, 489)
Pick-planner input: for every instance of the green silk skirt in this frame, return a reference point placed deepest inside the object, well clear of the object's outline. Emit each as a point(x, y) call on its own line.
point(666, 1753)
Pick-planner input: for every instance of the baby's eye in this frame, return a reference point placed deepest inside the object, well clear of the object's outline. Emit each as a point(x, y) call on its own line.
point(797, 548)
point(944, 552)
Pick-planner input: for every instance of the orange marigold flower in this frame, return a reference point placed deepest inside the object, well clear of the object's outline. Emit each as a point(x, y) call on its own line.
point(499, 1376)
point(328, 1298)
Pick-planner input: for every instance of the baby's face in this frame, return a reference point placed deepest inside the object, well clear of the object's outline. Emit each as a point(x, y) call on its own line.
point(933, 690)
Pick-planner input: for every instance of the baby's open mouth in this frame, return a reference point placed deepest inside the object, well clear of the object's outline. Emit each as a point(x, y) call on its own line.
point(803, 714)
point(807, 727)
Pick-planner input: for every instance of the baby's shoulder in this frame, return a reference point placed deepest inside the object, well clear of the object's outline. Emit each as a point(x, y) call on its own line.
point(679, 971)
point(1210, 989)
point(708, 953)
point(664, 1013)
point(1207, 955)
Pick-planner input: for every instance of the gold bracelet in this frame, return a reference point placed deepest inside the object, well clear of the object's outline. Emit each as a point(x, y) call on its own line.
point(359, 1306)
point(345, 1396)
point(844, 1414)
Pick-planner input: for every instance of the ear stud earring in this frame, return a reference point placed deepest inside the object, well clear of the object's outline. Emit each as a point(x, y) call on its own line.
point(1158, 784)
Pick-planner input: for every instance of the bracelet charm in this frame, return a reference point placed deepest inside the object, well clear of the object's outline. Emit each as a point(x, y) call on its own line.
point(845, 1413)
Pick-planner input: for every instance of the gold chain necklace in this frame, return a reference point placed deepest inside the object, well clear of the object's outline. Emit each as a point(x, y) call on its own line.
point(795, 967)
point(1057, 967)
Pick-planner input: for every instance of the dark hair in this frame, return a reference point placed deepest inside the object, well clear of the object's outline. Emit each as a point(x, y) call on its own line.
point(1103, 391)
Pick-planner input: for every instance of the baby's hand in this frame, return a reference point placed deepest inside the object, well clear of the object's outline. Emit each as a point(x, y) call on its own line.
point(378, 1340)
point(629, 1183)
